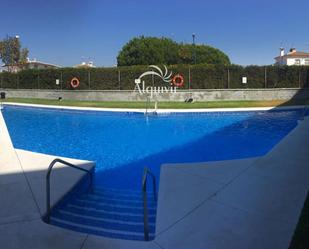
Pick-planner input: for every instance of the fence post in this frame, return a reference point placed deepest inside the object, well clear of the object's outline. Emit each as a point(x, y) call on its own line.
point(38, 81)
point(278, 75)
point(89, 80)
point(299, 85)
point(17, 79)
point(265, 77)
point(61, 80)
point(189, 86)
point(228, 78)
point(119, 79)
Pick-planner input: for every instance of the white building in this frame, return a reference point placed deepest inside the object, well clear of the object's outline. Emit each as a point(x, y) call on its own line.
point(34, 64)
point(292, 58)
point(29, 64)
point(89, 64)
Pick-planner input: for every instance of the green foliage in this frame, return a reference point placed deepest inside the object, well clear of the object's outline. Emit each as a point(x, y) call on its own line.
point(148, 50)
point(204, 55)
point(8, 80)
point(208, 77)
point(202, 76)
point(23, 55)
point(153, 50)
point(11, 51)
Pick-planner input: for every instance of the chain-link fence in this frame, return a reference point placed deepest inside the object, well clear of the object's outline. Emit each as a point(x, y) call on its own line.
point(195, 77)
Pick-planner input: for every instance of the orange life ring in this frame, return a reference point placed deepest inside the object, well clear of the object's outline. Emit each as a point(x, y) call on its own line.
point(178, 80)
point(74, 82)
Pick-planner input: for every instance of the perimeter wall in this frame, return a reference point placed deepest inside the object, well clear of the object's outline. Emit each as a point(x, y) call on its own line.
point(181, 95)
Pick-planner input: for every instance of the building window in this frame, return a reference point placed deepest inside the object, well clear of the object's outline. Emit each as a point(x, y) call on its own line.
point(297, 61)
point(306, 61)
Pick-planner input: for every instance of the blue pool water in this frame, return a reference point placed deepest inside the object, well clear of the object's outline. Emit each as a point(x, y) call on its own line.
point(122, 144)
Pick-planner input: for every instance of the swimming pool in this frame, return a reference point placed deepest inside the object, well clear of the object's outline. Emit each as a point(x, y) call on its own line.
point(122, 144)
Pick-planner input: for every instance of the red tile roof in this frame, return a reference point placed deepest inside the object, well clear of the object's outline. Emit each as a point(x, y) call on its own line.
point(295, 54)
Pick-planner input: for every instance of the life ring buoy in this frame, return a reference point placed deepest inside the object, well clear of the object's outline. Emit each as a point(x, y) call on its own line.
point(74, 82)
point(178, 80)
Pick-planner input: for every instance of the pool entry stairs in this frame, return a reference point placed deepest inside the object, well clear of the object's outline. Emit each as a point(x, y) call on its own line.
point(114, 213)
point(107, 212)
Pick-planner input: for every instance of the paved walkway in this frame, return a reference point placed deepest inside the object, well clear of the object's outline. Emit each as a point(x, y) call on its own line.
point(251, 203)
point(22, 198)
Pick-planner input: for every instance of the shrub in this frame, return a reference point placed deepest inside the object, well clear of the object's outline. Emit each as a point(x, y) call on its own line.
point(202, 76)
point(152, 50)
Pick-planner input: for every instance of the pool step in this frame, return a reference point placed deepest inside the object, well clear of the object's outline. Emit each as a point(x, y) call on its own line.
point(106, 212)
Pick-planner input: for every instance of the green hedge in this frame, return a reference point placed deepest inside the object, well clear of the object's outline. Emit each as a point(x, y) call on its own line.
point(195, 76)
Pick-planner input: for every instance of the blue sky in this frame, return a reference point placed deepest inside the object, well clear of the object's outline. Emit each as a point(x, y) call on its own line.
point(69, 31)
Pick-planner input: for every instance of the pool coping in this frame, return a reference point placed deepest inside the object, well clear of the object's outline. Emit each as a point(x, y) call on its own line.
point(158, 111)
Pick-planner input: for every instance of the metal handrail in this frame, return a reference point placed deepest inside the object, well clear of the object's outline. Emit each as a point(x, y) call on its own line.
point(156, 106)
point(144, 189)
point(304, 111)
point(147, 104)
point(58, 160)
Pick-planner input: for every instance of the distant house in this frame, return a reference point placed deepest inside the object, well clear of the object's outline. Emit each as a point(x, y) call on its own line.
point(29, 64)
point(293, 57)
point(85, 65)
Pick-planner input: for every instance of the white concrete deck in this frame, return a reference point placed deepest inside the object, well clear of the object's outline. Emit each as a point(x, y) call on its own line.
point(136, 110)
point(22, 197)
point(251, 203)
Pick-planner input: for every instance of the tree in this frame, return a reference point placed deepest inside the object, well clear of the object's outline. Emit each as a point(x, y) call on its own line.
point(148, 50)
point(208, 55)
point(153, 50)
point(23, 55)
point(11, 52)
